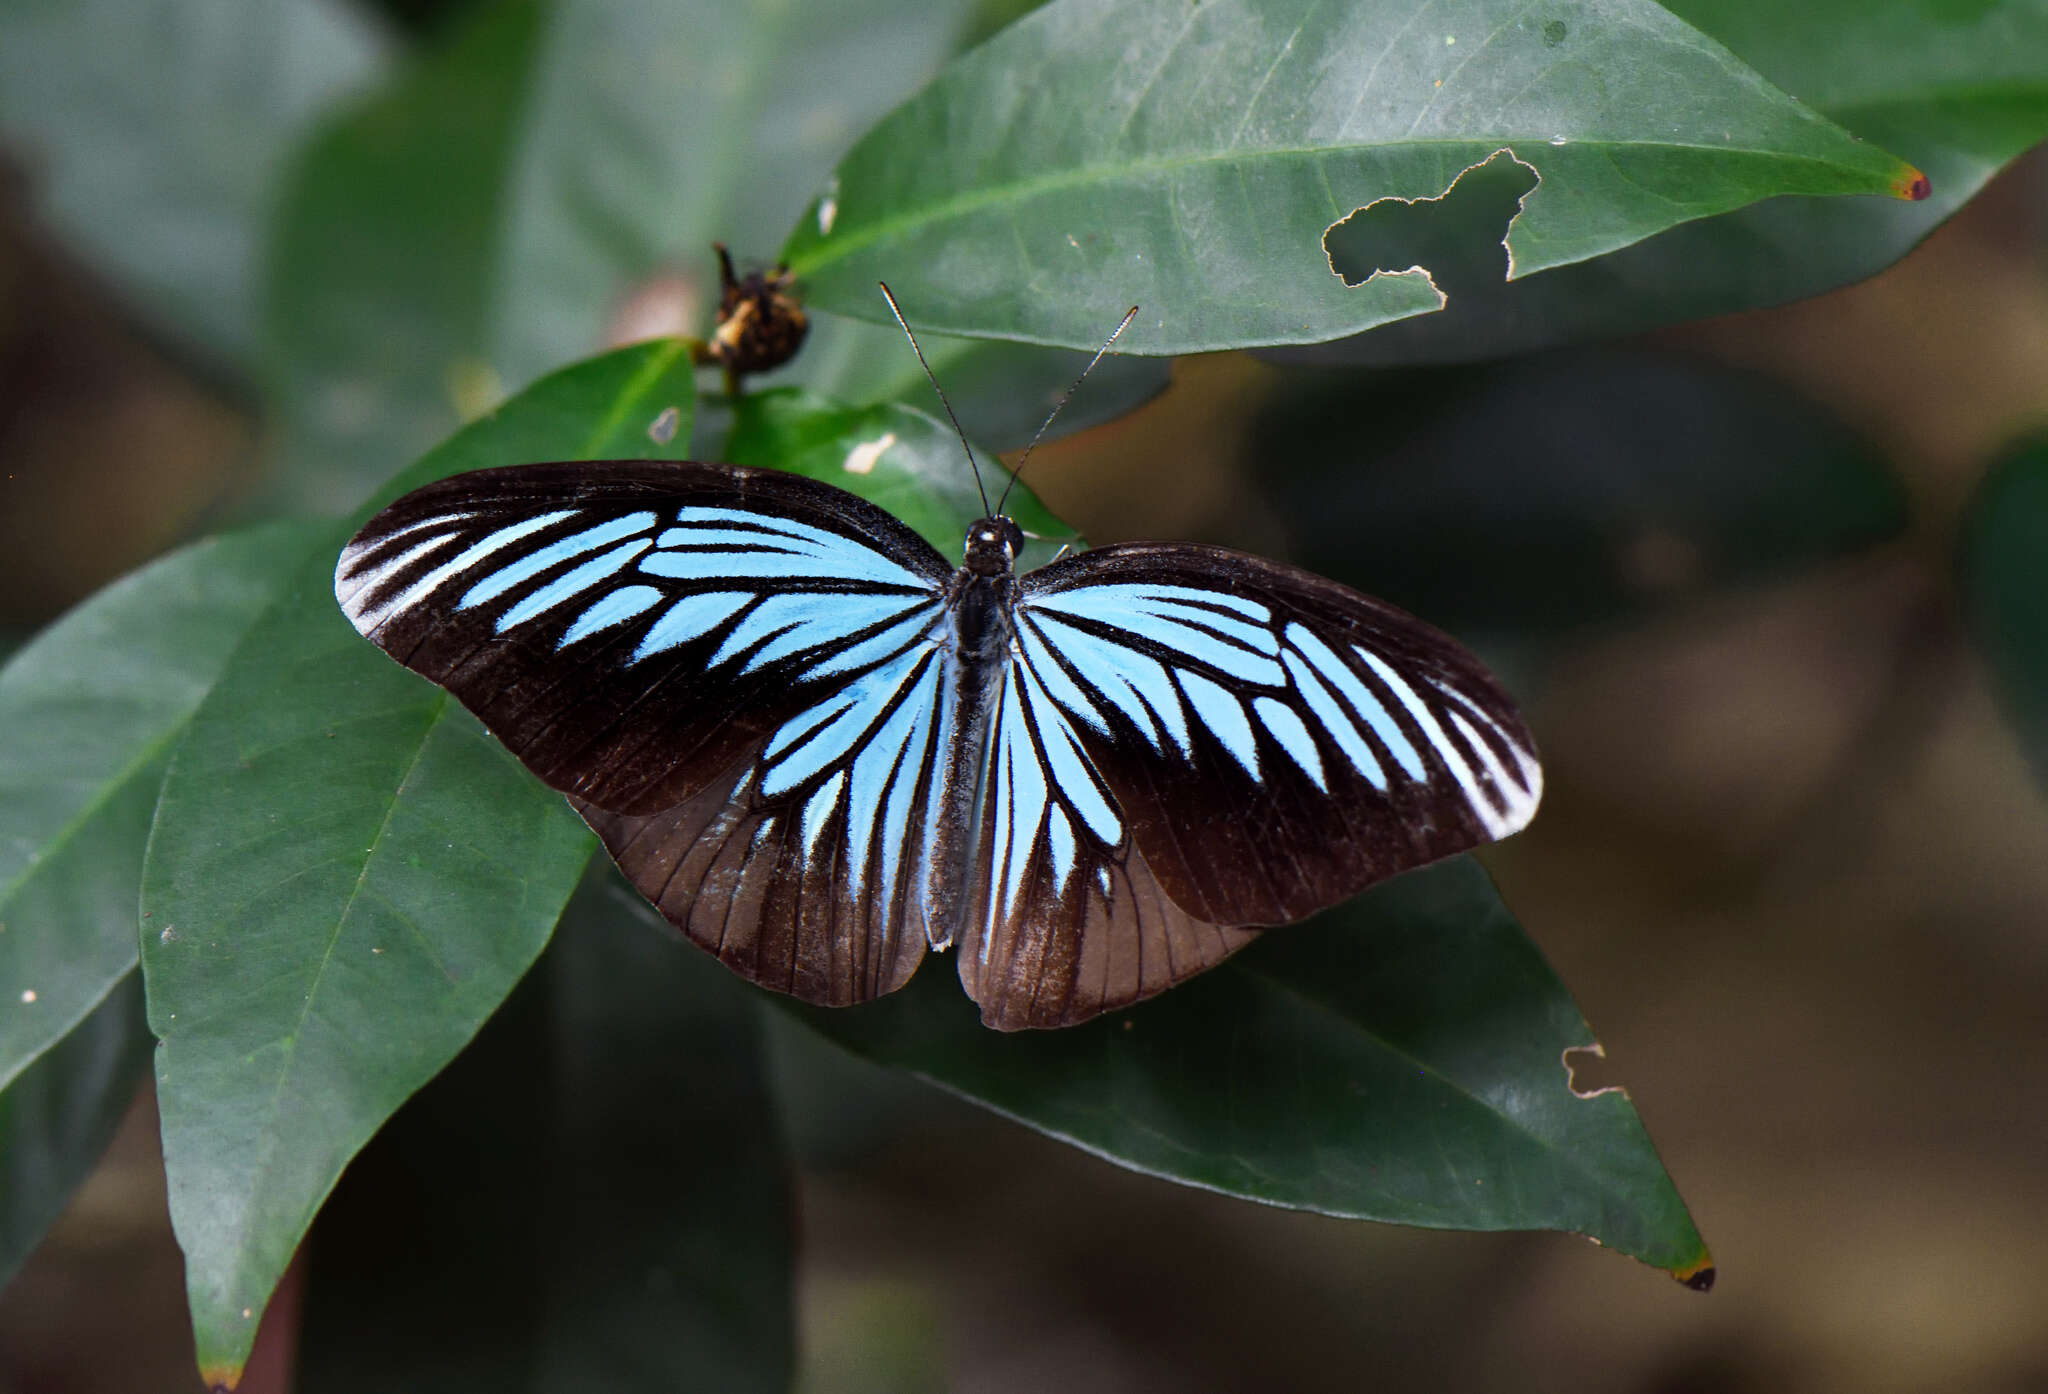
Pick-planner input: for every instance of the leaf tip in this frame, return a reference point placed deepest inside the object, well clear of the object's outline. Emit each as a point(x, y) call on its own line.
point(1911, 185)
point(1697, 1275)
point(221, 1379)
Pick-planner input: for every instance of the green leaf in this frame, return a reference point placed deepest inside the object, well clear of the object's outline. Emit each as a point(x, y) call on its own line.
point(1572, 488)
point(1192, 158)
point(1400, 1058)
point(345, 877)
point(535, 190)
point(592, 1196)
point(58, 1115)
point(909, 463)
point(89, 712)
point(1959, 87)
point(2004, 566)
point(154, 131)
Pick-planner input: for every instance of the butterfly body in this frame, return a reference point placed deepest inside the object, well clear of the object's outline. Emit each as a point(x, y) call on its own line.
point(821, 751)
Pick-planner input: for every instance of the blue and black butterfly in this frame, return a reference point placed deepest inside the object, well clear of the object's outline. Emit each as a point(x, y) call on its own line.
point(821, 750)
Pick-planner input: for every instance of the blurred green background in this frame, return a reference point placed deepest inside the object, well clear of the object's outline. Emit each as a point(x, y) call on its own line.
point(1792, 860)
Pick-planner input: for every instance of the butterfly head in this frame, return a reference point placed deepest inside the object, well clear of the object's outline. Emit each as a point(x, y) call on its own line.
point(993, 545)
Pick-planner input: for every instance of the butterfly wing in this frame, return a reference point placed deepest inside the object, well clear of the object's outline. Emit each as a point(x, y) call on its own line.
point(731, 672)
point(1194, 743)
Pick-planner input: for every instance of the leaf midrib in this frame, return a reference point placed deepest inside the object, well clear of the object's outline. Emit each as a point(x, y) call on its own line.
point(979, 197)
point(272, 1133)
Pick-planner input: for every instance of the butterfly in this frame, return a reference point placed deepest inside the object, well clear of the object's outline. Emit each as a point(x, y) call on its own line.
point(822, 751)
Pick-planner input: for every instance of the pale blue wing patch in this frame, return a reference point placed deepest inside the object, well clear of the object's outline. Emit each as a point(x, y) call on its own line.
point(792, 622)
point(575, 582)
point(728, 542)
point(690, 618)
point(518, 571)
point(1287, 728)
point(1230, 634)
point(617, 607)
point(834, 731)
point(1364, 704)
point(364, 582)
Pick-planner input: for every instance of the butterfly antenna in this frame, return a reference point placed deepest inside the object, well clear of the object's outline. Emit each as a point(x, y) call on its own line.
point(972, 462)
point(1061, 405)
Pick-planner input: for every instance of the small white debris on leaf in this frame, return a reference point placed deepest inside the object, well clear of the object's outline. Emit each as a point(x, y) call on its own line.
point(861, 459)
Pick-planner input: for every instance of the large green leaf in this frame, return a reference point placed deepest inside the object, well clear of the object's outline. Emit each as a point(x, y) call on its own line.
point(2004, 564)
point(345, 877)
point(908, 462)
point(58, 1115)
point(1959, 87)
point(1400, 1058)
point(88, 714)
point(1558, 490)
point(1192, 158)
point(487, 218)
point(592, 1196)
point(154, 129)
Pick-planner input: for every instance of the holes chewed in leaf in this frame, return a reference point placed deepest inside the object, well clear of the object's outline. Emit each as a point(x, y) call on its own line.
point(1587, 1073)
point(1458, 238)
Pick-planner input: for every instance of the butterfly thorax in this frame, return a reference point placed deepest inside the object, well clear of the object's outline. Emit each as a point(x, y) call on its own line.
point(992, 546)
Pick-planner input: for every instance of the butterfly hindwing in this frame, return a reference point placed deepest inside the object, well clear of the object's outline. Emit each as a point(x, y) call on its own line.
point(1195, 742)
point(726, 669)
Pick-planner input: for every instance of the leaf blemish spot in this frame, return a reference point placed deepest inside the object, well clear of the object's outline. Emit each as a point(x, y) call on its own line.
point(663, 429)
point(1582, 1072)
point(1447, 239)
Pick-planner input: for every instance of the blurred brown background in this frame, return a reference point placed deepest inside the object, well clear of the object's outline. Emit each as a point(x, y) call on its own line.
point(1790, 861)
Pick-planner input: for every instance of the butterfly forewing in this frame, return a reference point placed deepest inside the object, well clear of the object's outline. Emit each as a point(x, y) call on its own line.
point(630, 630)
point(1196, 741)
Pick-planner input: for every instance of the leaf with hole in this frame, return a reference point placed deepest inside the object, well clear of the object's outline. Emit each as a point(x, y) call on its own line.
point(1956, 86)
point(1192, 158)
point(1399, 1059)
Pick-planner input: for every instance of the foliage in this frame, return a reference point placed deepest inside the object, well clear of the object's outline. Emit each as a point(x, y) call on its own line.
point(340, 878)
